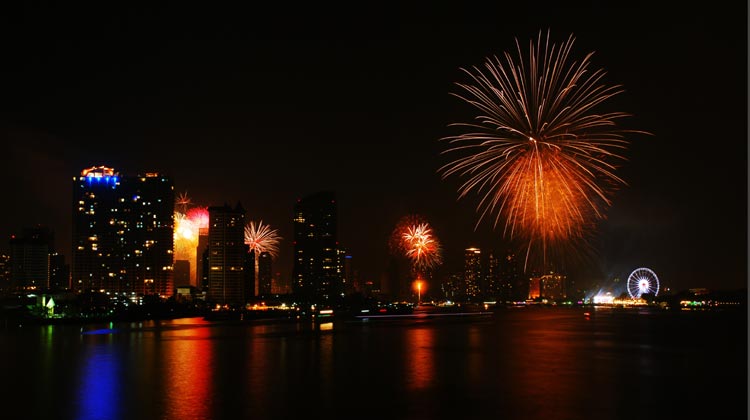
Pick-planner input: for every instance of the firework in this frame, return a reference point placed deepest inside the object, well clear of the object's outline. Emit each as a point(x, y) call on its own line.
point(413, 238)
point(188, 225)
point(185, 240)
point(183, 201)
point(199, 217)
point(261, 238)
point(540, 158)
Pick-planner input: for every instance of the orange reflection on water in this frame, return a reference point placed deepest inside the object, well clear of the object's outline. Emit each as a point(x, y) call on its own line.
point(475, 368)
point(188, 376)
point(546, 360)
point(420, 358)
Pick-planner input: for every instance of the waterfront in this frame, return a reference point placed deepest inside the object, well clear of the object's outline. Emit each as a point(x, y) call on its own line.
point(519, 363)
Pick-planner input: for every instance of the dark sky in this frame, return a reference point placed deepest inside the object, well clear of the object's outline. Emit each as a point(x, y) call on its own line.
point(264, 105)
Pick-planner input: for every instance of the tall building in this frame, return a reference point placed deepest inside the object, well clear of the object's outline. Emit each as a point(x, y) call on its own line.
point(123, 233)
point(265, 274)
point(513, 284)
point(472, 272)
point(152, 242)
point(59, 272)
point(181, 273)
point(348, 274)
point(4, 272)
point(315, 273)
point(227, 255)
point(201, 276)
point(492, 276)
point(30, 258)
point(553, 286)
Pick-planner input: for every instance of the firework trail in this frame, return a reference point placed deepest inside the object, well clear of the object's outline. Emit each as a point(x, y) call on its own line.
point(261, 238)
point(540, 158)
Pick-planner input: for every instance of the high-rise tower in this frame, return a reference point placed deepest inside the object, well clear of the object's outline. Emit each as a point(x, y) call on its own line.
point(227, 255)
point(472, 272)
point(265, 273)
point(315, 274)
point(123, 233)
point(30, 258)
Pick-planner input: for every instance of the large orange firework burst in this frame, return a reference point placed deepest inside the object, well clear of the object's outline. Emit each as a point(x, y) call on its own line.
point(414, 238)
point(539, 156)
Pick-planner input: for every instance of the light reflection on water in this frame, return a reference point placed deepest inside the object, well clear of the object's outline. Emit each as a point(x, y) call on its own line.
point(99, 388)
point(419, 363)
point(541, 363)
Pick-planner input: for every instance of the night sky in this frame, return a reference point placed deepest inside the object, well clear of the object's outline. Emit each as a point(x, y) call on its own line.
point(264, 106)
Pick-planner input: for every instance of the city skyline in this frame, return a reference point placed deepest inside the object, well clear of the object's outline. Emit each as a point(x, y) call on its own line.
point(265, 114)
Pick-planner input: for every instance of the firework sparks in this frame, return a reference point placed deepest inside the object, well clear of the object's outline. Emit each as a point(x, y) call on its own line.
point(185, 240)
point(199, 217)
point(261, 238)
point(414, 238)
point(187, 230)
point(184, 201)
point(537, 154)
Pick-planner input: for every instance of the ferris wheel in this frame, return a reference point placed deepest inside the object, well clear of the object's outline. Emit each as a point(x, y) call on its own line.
point(642, 280)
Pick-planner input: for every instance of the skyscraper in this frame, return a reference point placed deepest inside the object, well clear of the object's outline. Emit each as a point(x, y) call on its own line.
point(472, 272)
point(152, 205)
point(514, 285)
point(123, 232)
point(227, 255)
point(315, 274)
point(265, 273)
point(492, 276)
point(30, 258)
point(201, 276)
point(59, 272)
point(4, 272)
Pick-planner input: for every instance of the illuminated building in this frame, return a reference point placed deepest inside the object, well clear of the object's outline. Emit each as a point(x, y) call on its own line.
point(315, 274)
point(29, 258)
point(553, 286)
point(494, 286)
point(4, 272)
point(123, 233)
point(472, 272)
point(348, 279)
point(453, 287)
point(548, 286)
point(535, 287)
point(227, 255)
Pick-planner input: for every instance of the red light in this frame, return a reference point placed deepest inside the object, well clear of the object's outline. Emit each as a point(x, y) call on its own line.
point(382, 310)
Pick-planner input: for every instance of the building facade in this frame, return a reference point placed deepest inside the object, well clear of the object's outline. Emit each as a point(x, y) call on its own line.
point(123, 233)
point(30, 259)
point(227, 256)
point(473, 273)
point(315, 274)
point(265, 273)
